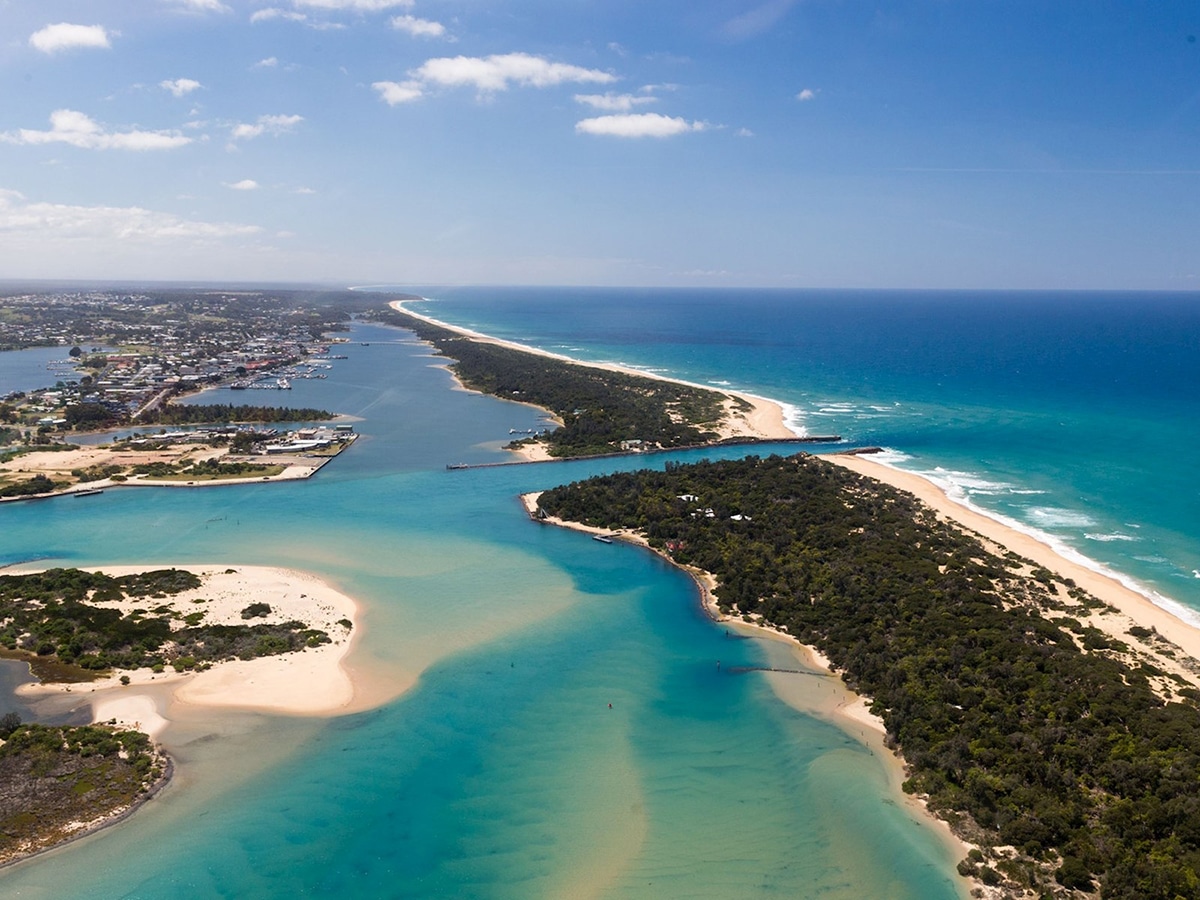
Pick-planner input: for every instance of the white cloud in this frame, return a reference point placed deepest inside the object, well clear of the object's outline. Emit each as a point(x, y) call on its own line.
point(744, 132)
point(65, 36)
point(180, 86)
point(265, 15)
point(273, 125)
point(418, 27)
point(274, 12)
point(394, 93)
point(639, 125)
point(270, 62)
point(246, 184)
point(304, 190)
point(805, 95)
point(496, 73)
point(610, 102)
point(354, 5)
point(70, 127)
point(42, 222)
point(202, 5)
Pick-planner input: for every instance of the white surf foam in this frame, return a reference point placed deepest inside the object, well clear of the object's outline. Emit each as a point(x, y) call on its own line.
point(1059, 546)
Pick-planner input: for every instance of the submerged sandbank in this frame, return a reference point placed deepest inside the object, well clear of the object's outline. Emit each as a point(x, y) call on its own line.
point(746, 415)
point(808, 683)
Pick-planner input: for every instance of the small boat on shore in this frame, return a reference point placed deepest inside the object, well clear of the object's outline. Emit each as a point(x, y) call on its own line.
point(601, 538)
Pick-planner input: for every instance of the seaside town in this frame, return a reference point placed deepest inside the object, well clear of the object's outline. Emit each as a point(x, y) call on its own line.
point(127, 355)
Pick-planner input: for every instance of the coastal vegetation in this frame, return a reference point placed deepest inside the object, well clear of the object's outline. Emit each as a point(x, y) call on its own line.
point(204, 470)
point(92, 416)
point(229, 413)
point(29, 487)
point(72, 619)
point(1068, 757)
point(56, 782)
point(601, 411)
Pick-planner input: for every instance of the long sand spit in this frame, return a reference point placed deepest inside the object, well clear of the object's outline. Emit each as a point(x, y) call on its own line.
point(763, 419)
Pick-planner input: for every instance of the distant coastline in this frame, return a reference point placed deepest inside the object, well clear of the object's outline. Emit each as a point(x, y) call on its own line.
point(754, 418)
point(1155, 608)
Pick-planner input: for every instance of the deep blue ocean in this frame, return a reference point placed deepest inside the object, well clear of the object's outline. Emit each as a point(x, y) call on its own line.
point(503, 773)
point(1075, 415)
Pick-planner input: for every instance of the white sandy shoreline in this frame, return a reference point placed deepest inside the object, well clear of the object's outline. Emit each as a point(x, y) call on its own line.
point(765, 419)
point(311, 682)
point(1133, 607)
point(831, 700)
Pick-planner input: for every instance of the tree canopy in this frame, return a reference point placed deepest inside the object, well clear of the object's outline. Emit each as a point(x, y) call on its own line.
point(1023, 725)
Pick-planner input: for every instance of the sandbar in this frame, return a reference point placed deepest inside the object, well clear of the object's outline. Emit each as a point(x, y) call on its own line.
point(313, 682)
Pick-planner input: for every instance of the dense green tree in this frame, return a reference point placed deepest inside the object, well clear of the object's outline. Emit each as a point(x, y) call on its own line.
point(1011, 712)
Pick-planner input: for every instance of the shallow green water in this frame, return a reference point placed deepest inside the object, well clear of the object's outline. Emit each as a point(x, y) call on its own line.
point(503, 773)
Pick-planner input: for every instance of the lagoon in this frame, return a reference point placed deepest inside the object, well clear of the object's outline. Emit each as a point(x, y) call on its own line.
point(502, 772)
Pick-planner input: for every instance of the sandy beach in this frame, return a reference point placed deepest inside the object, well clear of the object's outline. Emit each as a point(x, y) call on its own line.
point(810, 686)
point(1129, 608)
point(764, 419)
point(310, 682)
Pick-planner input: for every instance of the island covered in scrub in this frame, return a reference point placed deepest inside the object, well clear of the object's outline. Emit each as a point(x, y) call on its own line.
point(1066, 750)
point(247, 636)
point(598, 409)
point(71, 624)
point(61, 782)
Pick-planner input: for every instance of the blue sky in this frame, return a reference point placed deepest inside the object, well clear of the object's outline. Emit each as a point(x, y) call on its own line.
point(916, 143)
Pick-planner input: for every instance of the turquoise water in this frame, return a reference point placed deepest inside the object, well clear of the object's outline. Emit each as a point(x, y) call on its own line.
point(503, 772)
point(1073, 415)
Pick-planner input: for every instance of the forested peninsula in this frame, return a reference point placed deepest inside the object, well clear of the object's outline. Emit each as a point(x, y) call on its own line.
point(1069, 758)
point(602, 411)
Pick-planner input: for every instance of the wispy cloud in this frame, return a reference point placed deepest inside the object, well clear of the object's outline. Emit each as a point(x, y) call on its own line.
point(180, 86)
point(758, 20)
point(266, 15)
point(354, 5)
point(65, 36)
point(498, 73)
point(202, 6)
point(40, 222)
point(270, 62)
point(77, 129)
point(393, 93)
point(639, 125)
point(807, 94)
point(273, 125)
point(418, 27)
point(246, 184)
point(610, 102)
